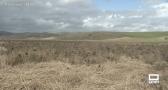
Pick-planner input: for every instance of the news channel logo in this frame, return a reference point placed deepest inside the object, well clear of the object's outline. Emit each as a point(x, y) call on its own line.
point(15, 3)
point(153, 78)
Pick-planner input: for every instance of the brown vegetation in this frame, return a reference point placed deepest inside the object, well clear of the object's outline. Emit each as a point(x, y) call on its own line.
point(81, 65)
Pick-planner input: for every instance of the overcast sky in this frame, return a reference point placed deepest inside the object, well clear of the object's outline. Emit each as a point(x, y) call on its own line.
point(83, 15)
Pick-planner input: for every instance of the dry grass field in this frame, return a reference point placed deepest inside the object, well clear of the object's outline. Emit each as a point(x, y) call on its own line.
point(82, 65)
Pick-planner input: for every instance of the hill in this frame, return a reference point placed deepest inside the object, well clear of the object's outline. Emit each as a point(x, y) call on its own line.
point(105, 36)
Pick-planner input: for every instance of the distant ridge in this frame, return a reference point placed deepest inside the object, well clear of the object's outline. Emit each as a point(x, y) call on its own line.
point(120, 36)
point(5, 33)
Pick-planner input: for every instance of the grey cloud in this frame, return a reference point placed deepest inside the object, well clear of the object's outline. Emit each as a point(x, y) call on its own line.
point(62, 12)
point(68, 15)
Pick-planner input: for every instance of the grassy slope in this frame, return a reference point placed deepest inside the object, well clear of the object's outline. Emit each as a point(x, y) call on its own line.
point(149, 36)
point(90, 35)
point(126, 36)
point(146, 34)
point(118, 36)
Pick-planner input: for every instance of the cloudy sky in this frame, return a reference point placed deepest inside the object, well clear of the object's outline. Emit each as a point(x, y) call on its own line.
point(83, 15)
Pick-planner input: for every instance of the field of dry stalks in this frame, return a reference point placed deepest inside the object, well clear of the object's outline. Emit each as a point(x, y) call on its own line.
point(81, 65)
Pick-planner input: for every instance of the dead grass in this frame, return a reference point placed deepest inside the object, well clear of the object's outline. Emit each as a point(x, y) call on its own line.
point(126, 75)
point(51, 65)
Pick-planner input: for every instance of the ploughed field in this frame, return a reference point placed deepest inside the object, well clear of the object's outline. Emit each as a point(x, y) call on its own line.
point(82, 65)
